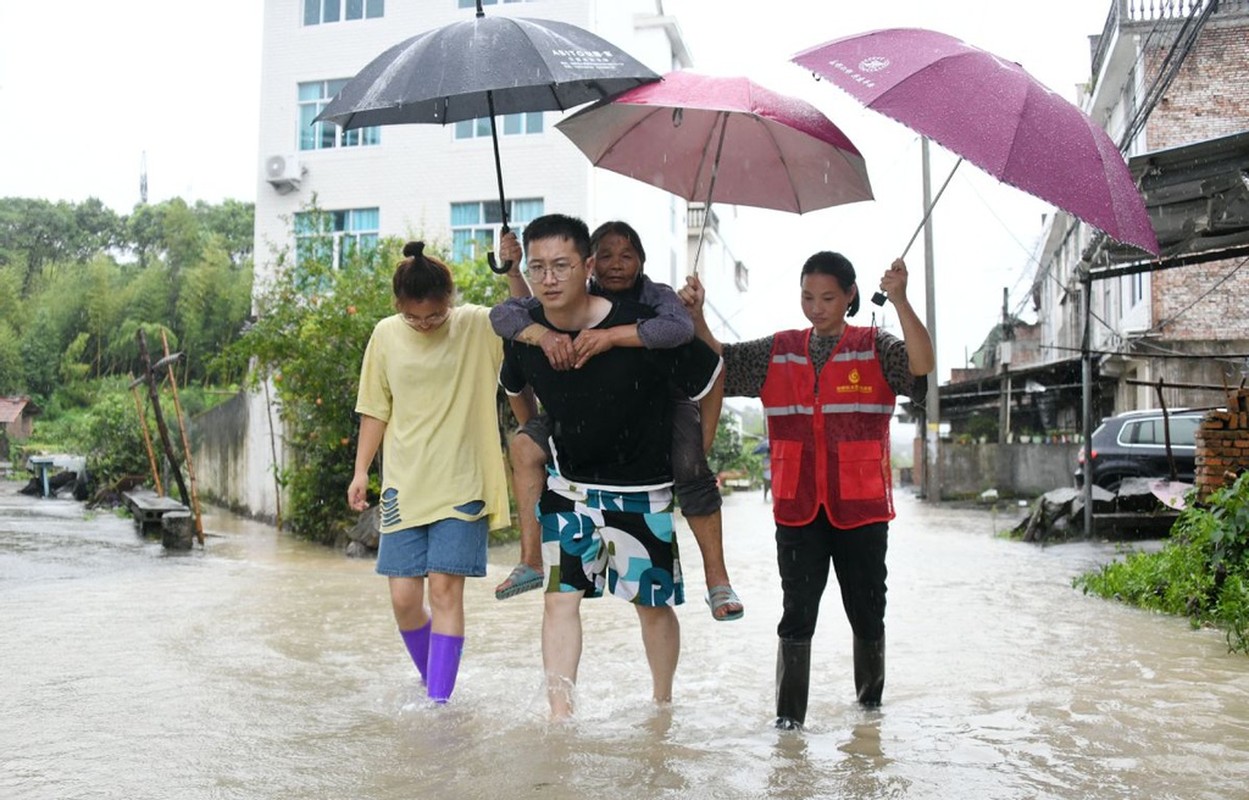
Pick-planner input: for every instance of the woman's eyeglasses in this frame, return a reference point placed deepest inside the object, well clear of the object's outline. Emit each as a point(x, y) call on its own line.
point(432, 321)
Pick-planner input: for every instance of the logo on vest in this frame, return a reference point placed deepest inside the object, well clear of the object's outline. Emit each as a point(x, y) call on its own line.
point(854, 386)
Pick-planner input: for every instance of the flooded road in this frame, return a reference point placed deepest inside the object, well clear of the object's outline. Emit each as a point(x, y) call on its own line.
point(262, 667)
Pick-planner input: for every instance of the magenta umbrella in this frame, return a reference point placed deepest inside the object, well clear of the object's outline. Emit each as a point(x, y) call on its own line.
point(726, 139)
point(997, 116)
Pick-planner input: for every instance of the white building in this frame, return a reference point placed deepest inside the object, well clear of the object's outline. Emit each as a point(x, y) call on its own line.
point(438, 182)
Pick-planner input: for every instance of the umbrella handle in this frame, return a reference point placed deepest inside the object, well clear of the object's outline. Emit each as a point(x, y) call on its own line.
point(494, 263)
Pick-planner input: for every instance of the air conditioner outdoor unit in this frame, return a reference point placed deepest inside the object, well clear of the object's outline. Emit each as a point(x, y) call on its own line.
point(283, 173)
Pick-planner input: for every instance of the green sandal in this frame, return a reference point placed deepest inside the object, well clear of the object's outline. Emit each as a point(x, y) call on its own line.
point(723, 595)
point(522, 578)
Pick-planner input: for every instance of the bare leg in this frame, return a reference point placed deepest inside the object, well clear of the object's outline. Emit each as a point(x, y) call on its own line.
point(407, 599)
point(709, 535)
point(696, 489)
point(561, 649)
point(446, 601)
point(661, 635)
point(528, 479)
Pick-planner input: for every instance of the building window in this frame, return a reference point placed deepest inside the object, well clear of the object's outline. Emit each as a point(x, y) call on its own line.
point(333, 237)
point(1138, 288)
point(475, 226)
point(741, 276)
point(317, 12)
point(512, 125)
point(313, 97)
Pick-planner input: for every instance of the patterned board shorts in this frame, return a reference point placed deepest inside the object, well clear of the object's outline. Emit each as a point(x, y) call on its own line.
point(623, 542)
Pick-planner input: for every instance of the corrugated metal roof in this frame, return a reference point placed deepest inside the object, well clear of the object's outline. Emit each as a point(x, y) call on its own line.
point(1198, 199)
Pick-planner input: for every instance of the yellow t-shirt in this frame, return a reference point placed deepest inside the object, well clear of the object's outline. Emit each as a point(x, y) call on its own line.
point(436, 393)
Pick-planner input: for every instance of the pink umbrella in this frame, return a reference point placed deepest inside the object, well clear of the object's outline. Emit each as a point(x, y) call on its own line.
point(708, 138)
point(997, 116)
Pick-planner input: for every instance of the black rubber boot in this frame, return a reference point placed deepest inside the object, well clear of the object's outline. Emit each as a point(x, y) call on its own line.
point(793, 682)
point(869, 670)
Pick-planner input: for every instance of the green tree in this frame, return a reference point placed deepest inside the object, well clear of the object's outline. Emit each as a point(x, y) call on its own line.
point(12, 370)
point(36, 233)
point(232, 224)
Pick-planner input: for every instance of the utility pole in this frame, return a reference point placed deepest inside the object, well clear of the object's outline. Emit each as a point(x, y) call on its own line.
point(1005, 347)
point(932, 411)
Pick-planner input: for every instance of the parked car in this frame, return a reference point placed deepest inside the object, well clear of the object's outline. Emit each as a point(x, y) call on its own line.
point(1133, 444)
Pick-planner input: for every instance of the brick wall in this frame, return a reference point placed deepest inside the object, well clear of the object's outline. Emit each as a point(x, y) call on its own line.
point(1223, 445)
point(1208, 98)
point(1210, 95)
point(1202, 302)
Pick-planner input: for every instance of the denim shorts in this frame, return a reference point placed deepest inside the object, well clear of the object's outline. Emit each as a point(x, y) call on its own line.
point(447, 546)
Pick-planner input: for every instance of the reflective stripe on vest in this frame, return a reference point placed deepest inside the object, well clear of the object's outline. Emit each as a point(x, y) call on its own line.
point(841, 462)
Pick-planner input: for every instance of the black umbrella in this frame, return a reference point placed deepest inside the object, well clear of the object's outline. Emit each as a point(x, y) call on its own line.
point(482, 67)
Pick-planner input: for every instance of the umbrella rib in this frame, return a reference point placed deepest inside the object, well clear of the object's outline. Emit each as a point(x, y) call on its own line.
point(702, 162)
point(780, 154)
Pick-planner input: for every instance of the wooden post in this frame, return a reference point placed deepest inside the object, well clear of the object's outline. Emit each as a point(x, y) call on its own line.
point(147, 437)
point(1166, 432)
point(160, 418)
point(186, 442)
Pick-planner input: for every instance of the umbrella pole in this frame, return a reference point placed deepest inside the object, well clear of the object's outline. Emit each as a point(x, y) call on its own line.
point(931, 206)
point(498, 172)
point(879, 297)
point(711, 188)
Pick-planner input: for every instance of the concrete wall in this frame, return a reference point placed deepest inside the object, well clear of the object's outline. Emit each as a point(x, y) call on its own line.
point(1025, 470)
point(233, 446)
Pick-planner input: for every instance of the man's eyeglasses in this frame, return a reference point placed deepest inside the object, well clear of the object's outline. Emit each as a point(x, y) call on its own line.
point(432, 321)
point(560, 269)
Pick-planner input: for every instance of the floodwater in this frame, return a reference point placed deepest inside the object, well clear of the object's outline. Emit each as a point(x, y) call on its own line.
point(263, 667)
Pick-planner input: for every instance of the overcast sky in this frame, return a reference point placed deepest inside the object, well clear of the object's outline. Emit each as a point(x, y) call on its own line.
point(86, 88)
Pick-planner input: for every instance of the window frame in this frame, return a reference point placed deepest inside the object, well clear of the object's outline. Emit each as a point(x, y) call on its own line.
point(529, 123)
point(368, 9)
point(485, 232)
point(345, 234)
point(307, 109)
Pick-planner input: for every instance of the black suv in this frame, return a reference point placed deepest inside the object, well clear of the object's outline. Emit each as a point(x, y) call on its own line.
point(1133, 445)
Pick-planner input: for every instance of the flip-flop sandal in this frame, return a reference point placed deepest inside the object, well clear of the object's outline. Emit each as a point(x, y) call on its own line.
point(721, 596)
point(522, 578)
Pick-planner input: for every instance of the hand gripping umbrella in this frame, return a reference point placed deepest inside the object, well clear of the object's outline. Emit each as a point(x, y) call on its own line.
point(991, 112)
point(706, 138)
point(482, 67)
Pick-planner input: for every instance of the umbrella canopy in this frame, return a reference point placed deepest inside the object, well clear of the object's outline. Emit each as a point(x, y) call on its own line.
point(997, 116)
point(725, 139)
point(481, 67)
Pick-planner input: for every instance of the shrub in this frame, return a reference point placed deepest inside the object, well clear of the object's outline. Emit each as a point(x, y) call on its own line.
point(1202, 572)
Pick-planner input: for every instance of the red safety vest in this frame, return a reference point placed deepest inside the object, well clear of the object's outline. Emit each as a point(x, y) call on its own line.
point(829, 437)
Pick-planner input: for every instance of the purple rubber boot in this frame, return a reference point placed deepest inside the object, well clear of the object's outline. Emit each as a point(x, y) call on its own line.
point(417, 642)
point(444, 664)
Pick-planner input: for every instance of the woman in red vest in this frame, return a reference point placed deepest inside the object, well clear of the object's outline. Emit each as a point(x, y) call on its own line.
point(828, 393)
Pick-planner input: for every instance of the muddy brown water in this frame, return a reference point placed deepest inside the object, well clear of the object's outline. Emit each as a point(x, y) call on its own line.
point(263, 667)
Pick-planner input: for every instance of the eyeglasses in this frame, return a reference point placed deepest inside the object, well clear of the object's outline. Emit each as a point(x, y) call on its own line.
point(432, 321)
point(560, 269)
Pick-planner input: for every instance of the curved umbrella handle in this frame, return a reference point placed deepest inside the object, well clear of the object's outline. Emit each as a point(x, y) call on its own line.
point(493, 262)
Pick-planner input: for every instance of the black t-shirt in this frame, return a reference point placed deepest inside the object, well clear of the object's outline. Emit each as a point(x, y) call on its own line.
point(611, 420)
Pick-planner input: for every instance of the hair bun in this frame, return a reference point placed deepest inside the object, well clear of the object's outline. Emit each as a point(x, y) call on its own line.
point(414, 249)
